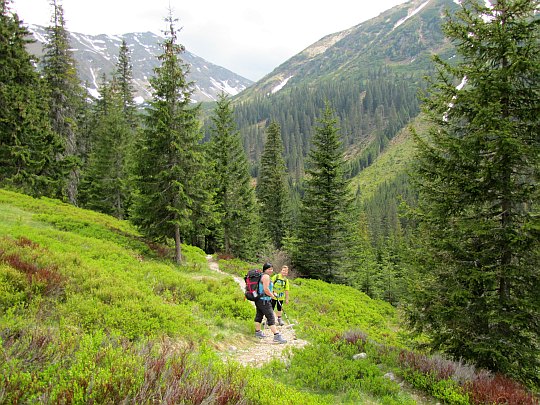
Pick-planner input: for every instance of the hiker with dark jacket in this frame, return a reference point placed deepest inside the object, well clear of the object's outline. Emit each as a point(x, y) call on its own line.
point(264, 305)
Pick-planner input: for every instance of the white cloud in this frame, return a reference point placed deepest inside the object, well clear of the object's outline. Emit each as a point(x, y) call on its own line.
point(248, 37)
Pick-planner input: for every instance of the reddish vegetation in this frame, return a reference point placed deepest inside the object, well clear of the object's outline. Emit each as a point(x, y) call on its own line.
point(25, 242)
point(498, 390)
point(441, 370)
point(225, 256)
point(49, 276)
point(482, 387)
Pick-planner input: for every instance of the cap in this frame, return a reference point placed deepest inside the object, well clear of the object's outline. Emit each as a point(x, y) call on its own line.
point(267, 266)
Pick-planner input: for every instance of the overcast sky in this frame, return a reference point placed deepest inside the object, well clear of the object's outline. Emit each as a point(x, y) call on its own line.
point(248, 37)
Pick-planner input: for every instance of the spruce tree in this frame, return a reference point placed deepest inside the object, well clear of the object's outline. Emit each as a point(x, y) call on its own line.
point(66, 96)
point(170, 179)
point(323, 242)
point(363, 271)
point(104, 183)
point(27, 144)
point(271, 188)
point(123, 76)
point(477, 175)
point(234, 194)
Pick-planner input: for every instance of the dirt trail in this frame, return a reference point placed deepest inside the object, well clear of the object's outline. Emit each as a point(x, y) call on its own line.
point(254, 351)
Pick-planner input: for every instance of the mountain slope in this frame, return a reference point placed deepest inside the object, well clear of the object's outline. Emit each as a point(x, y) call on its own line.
point(91, 313)
point(403, 37)
point(394, 162)
point(97, 55)
point(370, 74)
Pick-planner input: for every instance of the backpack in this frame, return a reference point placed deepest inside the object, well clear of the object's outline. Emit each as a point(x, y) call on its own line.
point(252, 279)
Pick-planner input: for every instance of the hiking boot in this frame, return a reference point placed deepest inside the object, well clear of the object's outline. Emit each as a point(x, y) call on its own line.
point(279, 339)
point(259, 334)
point(280, 322)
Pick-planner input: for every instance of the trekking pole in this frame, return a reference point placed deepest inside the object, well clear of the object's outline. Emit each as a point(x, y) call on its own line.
point(290, 324)
point(286, 316)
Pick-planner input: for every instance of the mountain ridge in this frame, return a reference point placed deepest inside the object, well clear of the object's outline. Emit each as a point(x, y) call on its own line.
point(357, 47)
point(96, 55)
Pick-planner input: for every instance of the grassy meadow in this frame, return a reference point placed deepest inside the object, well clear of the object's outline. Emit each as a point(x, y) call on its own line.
point(91, 313)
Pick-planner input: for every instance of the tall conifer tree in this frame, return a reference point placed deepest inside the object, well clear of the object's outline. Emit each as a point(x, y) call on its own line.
point(234, 193)
point(123, 76)
point(364, 271)
point(477, 173)
point(323, 245)
point(170, 162)
point(27, 145)
point(66, 95)
point(272, 187)
point(104, 183)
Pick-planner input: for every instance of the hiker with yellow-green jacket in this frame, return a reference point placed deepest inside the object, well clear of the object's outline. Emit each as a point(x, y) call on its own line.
point(281, 292)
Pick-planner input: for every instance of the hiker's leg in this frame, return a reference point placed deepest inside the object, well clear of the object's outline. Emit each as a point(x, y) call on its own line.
point(272, 322)
point(279, 307)
point(269, 314)
point(258, 316)
point(266, 308)
point(274, 304)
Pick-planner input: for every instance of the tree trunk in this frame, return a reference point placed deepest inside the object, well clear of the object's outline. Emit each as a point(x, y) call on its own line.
point(177, 247)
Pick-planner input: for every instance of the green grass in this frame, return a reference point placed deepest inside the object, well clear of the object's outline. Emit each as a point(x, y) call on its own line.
point(92, 313)
point(389, 165)
point(80, 282)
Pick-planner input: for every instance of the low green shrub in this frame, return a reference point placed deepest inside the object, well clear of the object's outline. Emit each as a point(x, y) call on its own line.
point(328, 368)
point(235, 266)
point(96, 368)
point(449, 392)
point(262, 388)
point(324, 310)
point(14, 288)
point(91, 313)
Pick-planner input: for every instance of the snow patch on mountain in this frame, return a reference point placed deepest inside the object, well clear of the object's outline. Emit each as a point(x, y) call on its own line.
point(226, 87)
point(94, 78)
point(37, 32)
point(410, 14)
point(281, 85)
point(93, 45)
point(94, 92)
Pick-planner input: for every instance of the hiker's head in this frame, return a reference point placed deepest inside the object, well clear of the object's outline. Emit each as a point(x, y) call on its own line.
point(267, 267)
point(285, 270)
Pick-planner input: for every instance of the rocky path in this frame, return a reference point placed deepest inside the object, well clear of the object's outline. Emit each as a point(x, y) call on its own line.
point(254, 351)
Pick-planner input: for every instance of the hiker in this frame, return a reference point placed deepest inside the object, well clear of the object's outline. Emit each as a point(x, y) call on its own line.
point(281, 291)
point(264, 305)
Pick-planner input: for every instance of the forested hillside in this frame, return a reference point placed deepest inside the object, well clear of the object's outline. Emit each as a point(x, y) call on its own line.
point(371, 75)
point(371, 110)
